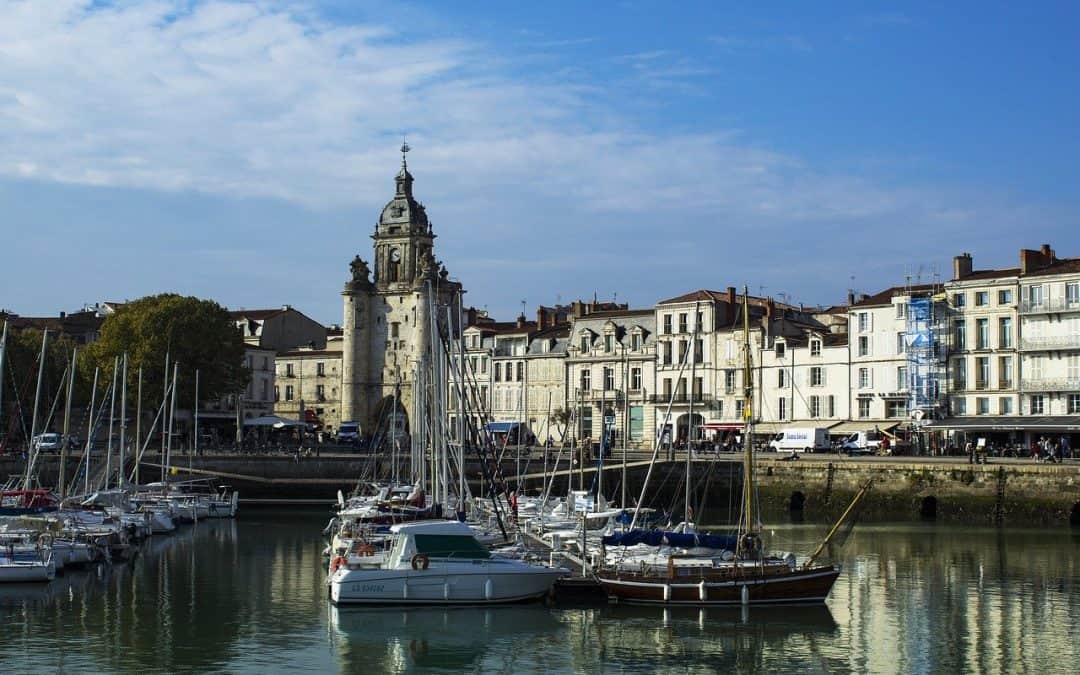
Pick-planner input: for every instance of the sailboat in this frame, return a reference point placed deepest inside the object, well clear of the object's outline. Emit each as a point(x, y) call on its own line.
point(743, 573)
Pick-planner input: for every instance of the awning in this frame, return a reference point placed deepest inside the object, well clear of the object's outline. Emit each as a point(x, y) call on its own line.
point(272, 421)
point(864, 425)
point(722, 426)
point(771, 428)
point(1008, 423)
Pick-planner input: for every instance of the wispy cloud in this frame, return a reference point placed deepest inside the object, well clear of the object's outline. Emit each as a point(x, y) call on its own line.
point(245, 100)
point(786, 42)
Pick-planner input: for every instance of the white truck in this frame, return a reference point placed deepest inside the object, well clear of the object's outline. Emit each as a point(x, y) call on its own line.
point(801, 439)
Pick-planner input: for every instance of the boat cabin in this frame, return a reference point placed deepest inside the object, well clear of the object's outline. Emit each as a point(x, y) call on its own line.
point(442, 539)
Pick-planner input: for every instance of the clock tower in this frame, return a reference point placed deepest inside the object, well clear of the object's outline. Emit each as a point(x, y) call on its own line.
point(387, 319)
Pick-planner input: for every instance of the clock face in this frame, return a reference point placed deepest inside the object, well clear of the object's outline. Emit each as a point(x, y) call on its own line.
point(395, 255)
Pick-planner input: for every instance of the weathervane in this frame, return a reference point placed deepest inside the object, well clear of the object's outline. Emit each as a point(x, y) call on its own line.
point(404, 149)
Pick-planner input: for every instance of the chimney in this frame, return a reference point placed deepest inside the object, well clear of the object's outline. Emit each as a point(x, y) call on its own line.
point(521, 321)
point(63, 315)
point(850, 297)
point(731, 295)
point(1031, 260)
point(578, 309)
point(961, 266)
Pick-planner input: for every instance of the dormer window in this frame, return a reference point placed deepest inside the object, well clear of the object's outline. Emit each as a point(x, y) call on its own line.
point(609, 342)
point(780, 349)
point(584, 343)
point(635, 342)
point(815, 348)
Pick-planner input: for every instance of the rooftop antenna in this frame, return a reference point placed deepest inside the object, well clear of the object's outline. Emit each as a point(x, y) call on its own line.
point(404, 149)
point(523, 307)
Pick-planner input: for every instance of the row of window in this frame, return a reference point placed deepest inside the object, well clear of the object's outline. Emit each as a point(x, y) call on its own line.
point(667, 352)
point(982, 298)
point(609, 343)
point(290, 393)
point(684, 326)
point(1036, 405)
point(982, 334)
point(608, 375)
point(508, 369)
point(320, 369)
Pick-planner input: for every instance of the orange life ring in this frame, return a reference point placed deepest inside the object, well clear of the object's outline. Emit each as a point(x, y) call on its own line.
point(337, 564)
point(420, 562)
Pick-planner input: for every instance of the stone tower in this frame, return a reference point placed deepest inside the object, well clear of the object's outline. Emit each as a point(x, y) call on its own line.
point(387, 319)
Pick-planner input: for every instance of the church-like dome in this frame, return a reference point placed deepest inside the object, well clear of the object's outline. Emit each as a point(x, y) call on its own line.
point(403, 211)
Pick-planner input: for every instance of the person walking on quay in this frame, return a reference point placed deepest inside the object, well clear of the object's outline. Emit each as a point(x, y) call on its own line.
point(1066, 451)
point(970, 448)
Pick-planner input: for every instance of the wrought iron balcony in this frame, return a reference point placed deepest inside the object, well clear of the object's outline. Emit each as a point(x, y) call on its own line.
point(1050, 384)
point(1049, 306)
point(1050, 343)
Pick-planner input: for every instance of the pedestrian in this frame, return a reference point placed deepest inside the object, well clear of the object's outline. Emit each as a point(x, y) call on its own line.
point(1066, 450)
point(969, 447)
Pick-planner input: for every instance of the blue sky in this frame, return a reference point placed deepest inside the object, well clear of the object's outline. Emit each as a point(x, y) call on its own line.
point(242, 150)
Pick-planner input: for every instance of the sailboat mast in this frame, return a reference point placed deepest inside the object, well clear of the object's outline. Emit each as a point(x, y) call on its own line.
point(112, 421)
point(748, 417)
point(138, 424)
point(690, 416)
point(123, 424)
point(31, 456)
point(62, 479)
point(90, 432)
point(3, 349)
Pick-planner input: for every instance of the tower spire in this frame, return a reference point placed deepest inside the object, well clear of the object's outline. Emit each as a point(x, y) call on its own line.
point(404, 149)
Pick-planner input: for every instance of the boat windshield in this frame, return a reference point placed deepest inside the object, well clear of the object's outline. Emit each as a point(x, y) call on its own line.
point(450, 546)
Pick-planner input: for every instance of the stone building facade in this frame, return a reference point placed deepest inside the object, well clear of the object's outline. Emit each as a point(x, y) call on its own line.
point(389, 317)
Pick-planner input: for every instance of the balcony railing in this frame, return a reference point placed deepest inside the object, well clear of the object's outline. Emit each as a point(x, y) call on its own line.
point(1051, 384)
point(1050, 305)
point(1050, 342)
point(698, 397)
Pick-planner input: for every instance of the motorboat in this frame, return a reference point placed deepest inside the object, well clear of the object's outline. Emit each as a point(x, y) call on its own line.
point(436, 562)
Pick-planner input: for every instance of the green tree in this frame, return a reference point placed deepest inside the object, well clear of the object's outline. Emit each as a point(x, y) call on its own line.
point(560, 417)
point(199, 334)
point(20, 381)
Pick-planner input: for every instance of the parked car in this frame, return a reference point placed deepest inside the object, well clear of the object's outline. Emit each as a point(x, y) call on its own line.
point(49, 442)
point(348, 432)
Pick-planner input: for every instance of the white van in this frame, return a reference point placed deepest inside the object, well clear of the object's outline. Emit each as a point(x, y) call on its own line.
point(348, 432)
point(803, 439)
point(862, 443)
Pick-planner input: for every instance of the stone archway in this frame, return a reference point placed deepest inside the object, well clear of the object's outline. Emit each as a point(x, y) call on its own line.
point(389, 421)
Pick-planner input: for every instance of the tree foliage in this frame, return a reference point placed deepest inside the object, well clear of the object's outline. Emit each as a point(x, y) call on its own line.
point(20, 380)
point(199, 334)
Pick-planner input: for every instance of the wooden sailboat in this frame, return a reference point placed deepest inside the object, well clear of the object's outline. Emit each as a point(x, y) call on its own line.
point(742, 574)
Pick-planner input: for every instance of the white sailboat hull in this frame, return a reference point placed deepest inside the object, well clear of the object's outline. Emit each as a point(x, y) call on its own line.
point(26, 572)
point(479, 582)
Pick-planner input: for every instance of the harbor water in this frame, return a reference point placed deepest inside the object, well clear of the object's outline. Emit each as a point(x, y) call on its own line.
point(249, 596)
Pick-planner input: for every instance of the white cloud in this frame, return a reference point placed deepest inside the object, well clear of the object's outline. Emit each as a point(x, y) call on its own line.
point(253, 99)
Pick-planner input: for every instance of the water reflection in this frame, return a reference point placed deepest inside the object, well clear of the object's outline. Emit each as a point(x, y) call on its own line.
point(249, 596)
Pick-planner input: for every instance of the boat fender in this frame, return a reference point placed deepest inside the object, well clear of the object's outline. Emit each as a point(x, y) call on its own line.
point(489, 589)
point(667, 592)
point(420, 562)
point(446, 590)
point(703, 592)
